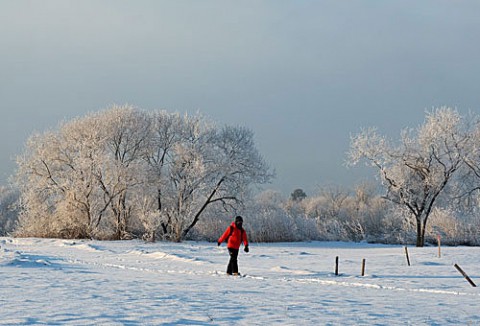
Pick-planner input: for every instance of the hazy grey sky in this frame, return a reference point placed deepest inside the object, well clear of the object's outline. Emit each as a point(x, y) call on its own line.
point(303, 75)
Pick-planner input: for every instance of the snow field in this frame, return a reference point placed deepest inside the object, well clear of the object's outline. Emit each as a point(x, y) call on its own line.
point(65, 282)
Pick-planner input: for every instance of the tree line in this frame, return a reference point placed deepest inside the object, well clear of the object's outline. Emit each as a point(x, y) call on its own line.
point(125, 172)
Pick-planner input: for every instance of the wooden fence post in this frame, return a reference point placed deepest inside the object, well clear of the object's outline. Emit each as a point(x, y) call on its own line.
point(465, 275)
point(363, 267)
point(439, 246)
point(406, 253)
point(336, 265)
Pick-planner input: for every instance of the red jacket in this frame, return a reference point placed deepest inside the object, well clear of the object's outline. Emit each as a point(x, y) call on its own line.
point(236, 238)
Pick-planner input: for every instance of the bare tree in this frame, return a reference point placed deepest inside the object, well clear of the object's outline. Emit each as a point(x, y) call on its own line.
point(415, 172)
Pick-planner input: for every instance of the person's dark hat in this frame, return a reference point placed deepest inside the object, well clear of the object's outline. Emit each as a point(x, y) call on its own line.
point(238, 219)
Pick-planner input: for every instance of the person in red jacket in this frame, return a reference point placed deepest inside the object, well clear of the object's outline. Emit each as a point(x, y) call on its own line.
point(234, 235)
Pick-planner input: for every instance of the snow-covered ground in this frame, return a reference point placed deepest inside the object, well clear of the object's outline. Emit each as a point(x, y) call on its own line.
point(57, 282)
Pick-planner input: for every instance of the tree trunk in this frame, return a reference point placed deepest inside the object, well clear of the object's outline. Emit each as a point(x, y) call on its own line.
point(205, 204)
point(420, 233)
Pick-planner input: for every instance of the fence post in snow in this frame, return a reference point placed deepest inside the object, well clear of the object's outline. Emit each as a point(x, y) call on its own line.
point(465, 275)
point(406, 253)
point(363, 267)
point(336, 265)
point(439, 246)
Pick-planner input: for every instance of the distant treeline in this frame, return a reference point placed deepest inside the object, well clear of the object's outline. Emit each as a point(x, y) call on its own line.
point(334, 214)
point(126, 173)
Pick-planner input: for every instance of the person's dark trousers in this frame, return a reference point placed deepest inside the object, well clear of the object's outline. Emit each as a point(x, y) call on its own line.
point(233, 263)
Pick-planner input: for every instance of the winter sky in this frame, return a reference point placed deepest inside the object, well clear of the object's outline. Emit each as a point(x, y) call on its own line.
point(303, 75)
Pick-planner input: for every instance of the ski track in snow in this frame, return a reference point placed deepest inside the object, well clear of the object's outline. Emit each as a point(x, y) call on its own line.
point(30, 260)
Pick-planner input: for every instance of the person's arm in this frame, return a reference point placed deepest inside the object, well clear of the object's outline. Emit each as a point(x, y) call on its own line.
point(224, 236)
point(245, 241)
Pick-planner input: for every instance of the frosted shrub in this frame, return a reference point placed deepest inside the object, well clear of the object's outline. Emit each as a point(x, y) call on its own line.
point(69, 223)
point(382, 223)
point(444, 223)
point(454, 228)
point(313, 206)
point(8, 210)
point(306, 229)
point(355, 230)
point(272, 225)
point(332, 230)
point(41, 226)
point(151, 221)
point(470, 231)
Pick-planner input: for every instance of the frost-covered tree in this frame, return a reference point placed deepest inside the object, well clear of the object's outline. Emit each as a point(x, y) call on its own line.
point(49, 181)
point(112, 171)
point(199, 167)
point(468, 184)
point(71, 178)
point(416, 171)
